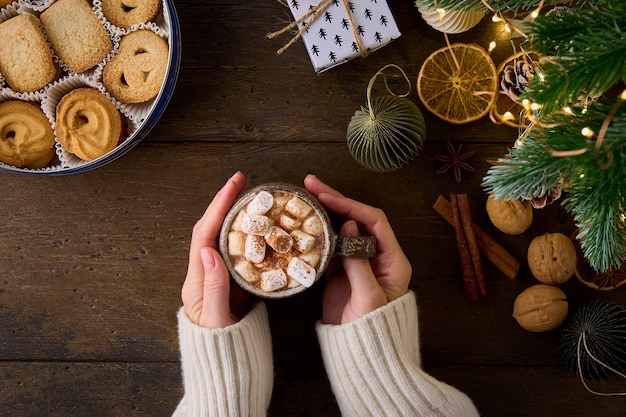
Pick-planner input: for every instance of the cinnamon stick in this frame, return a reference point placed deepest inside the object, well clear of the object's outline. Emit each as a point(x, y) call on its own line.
point(493, 251)
point(469, 276)
point(470, 237)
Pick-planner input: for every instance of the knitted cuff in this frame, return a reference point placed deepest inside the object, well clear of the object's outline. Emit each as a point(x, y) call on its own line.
point(374, 367)
point(227, 371)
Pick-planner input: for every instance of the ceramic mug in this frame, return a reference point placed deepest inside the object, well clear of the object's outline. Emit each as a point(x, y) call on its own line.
point(277, 240)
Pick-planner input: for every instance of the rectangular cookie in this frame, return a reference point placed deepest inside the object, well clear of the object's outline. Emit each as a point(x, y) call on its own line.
point(76, 34)
point(25, 57)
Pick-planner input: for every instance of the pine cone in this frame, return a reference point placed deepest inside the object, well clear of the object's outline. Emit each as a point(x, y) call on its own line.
point(546, 197)
point(515, 78)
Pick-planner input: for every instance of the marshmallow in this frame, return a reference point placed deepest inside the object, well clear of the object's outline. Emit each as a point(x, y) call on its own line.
point(312, 257)
point(261, 204)
point(288, 223)
point(247, 271)
point(253, 224)
point(255, 248)
point(298, 208)
point(278, 239)
point(301, 272)
point(279, 204)
point(303, 242)
point(236, 243)
point(292, 283)
point(273, 280)
point(313, 225)
point(238, 221)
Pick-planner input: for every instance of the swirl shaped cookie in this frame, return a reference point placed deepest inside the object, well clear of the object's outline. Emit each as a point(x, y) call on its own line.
point(87, 123)
point(135, 74)
point(125, 13)
point(26, 137)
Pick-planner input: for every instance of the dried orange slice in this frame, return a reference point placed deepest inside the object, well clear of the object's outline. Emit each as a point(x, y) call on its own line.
point(458, 83)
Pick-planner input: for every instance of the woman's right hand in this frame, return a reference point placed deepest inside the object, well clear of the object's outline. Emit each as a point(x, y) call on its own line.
point(359, 286)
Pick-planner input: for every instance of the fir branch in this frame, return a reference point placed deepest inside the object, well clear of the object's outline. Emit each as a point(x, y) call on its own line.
point(595, 193)
point(586, 55)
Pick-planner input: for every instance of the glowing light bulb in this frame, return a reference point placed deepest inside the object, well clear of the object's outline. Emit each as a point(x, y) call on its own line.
point(623, 96)
point(586, 132)
point(519, 142)
point(508, 116)
point(526, 103)
point(581, 176)
point(441, 12)
point(535, 106)
point(495, 18)
point(534, 14)
point(492, 45)
point(567, 109)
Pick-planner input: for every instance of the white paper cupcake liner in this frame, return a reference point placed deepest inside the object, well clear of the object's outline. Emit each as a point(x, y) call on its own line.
point(9, 11)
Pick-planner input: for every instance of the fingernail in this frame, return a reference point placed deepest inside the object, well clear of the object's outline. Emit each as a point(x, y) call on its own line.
point(207, 259)
point(350, 228)
point(232, 177)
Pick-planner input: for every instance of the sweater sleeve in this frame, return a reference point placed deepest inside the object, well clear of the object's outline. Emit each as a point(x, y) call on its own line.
point(373, 364)
point(229, 371)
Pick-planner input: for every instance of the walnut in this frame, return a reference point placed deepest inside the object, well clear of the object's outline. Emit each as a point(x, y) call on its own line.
point(512, 217)
point(552, 258)
point(540, 308)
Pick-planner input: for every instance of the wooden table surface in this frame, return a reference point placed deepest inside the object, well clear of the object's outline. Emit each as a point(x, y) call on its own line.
point(93, 263)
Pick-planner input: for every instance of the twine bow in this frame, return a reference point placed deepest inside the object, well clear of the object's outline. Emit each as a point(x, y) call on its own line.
point(314, 13)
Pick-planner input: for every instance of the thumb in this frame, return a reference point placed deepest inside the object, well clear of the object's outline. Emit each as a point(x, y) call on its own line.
point(216, 291)
point(363, 283)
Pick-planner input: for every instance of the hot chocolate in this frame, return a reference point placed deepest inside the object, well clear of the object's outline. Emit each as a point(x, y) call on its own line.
point(276, 241)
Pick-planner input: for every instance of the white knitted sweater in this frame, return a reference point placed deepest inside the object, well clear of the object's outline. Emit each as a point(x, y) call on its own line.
point(373, 364)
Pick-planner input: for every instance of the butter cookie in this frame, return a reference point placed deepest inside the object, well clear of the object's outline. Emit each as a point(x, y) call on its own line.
point(26, 137)
point(87, 123)
point(135, 74)
point(25, 57)
point(76, 34)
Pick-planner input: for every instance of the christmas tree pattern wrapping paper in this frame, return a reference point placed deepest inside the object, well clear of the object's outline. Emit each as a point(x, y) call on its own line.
point(331, 38)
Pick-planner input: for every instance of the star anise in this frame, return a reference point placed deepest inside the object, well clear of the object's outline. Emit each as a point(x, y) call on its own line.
point(610, 279)
point(455, 161)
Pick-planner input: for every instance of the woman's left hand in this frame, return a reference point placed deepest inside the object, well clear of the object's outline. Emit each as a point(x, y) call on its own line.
point(207, 295)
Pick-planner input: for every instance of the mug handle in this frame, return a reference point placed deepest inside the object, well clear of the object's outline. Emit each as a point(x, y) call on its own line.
point(355, 246)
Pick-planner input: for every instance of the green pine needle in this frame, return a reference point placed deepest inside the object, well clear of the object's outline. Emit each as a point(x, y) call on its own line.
point(585, 54)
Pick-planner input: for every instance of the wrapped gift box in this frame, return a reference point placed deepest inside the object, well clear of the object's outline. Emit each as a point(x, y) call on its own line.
point(331, 37)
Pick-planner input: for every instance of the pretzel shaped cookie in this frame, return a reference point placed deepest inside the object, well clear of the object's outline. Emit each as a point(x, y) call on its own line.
point(135, 74)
